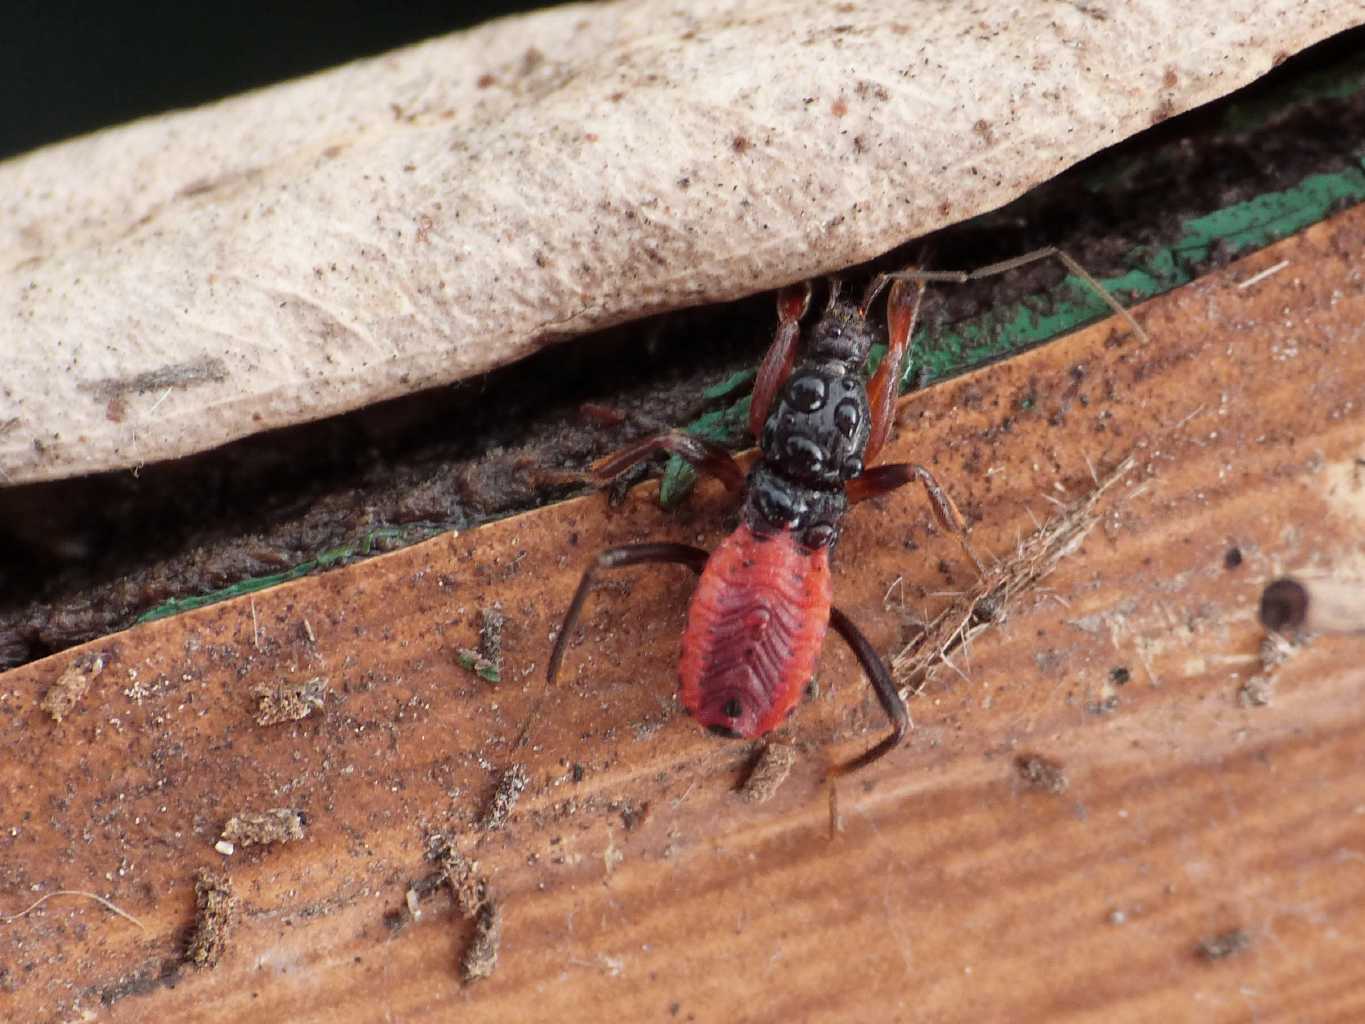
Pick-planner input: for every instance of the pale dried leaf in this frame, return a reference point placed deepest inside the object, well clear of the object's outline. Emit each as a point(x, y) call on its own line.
point(410, 220)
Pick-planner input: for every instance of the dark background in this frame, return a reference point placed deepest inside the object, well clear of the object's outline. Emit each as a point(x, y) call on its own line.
point(69, 67)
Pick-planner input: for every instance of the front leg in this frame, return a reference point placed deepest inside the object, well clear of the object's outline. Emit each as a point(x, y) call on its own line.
point(885, 479)
point(792, 303)
point(902, 309)
point(1047, 252)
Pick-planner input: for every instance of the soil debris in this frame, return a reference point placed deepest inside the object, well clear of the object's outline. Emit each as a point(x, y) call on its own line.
point(490, 635)
point(486, 662)
point(215, 913)
point(1223, 945)
point(288, 701)
point(263, 828)
point(71, 685)
point(504, 799)
point(469, 888)
point(480, 957)
point(771, 768)
point(475, 902)
point(1256, 692)
point(1041, 773)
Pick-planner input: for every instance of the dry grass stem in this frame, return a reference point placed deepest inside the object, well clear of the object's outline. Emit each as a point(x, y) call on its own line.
point(970, 614)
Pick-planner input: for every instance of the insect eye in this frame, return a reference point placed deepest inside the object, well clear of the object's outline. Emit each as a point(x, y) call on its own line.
point(733, 708)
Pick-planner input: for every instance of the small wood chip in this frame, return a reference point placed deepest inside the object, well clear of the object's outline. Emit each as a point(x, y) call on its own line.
point(470, 890)
point(1223, 945)
point(480, 957)
point(1256, 692)
point(288, 701)
point(213, 919)
point(770, 770)
point(511, 784)
point(1041, 773)
point(486, 662)
point(71, 685)
point(490, 635)
point(462, 875)
point(279, 825)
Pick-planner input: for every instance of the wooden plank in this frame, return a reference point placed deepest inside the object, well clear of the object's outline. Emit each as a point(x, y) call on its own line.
point(634, 882)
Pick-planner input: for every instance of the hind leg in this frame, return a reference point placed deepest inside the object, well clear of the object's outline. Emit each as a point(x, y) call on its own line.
point(615, 558)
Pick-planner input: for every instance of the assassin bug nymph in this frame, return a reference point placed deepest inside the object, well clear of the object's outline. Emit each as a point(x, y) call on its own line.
point(760, 612)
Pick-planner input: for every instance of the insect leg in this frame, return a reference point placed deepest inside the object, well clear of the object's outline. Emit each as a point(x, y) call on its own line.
point(883, 479)
point(792, 303)
point(882, 684)
point(902, 308)
point(703, 455)
point(615, 558)
point(960, 277)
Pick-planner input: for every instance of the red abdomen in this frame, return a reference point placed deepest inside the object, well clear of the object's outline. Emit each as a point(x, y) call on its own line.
point(754, 631)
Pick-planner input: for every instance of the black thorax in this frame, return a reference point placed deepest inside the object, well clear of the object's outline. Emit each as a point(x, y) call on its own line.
point(815, 435)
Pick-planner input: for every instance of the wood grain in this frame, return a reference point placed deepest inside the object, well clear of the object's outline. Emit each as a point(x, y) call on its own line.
point(639, 884)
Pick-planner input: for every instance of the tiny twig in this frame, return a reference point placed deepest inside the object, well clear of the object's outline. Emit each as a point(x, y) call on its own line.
point(9, 919)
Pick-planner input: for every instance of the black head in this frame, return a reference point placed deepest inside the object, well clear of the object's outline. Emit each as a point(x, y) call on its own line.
point(841, 336)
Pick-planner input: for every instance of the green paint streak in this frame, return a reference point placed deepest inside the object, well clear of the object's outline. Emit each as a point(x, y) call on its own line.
point(1338, 81)
point(1239, 229)
point(324, 560)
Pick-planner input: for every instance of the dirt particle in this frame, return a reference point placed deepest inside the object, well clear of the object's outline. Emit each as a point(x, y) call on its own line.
point(475, 902)
point(480, 957)
point(1284, 605)
point(771, 768)
point(485, 80)
point(1275, 651)
point(216, 910)
point(1041, 773)
point(531, 59)
point(486, 662)
point(504, 799)
point(1233, 558)
point(839, 107)
point(1255, 692)
point(1105, 706)
point(635, 815)
point(1119, 675)
point(71, 685)
point(288, 701)
point(263, 828)
point(740, 144)
point(1223, 945)
point(173, 375)
point(461, 874)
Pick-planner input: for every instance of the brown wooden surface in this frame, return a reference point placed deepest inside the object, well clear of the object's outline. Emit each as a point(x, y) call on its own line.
point(648, 890)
